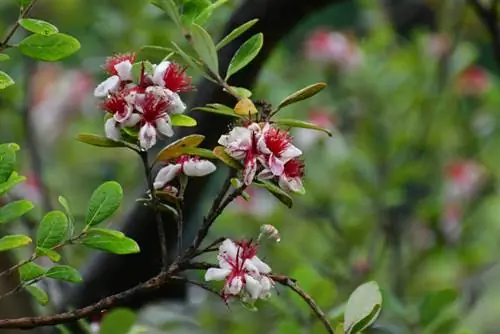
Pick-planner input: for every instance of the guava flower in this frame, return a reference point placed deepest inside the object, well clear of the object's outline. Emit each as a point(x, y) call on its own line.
point(241, 270)
point(291, 179)
point(187, 165)
point(120, 107)
point(172, 76)
point(277, 149)
point(463, 179)
point(120, 69)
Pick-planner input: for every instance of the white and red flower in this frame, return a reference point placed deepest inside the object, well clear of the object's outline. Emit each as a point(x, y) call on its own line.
point(291, 178)
point(119, 67)
point(188, 165)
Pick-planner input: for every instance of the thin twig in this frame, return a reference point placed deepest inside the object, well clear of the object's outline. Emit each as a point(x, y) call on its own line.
point(180, 224)
point(5, 43)
point(211, 247)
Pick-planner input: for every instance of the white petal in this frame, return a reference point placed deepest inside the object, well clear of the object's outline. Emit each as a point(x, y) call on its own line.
point(147, 136)
point(164, 127)
point(176, 106)
point(229, 248)
point(124, 70)
point(293, 184)
point(261, 266)
point(276, 165)
point(132, 120)
point(265, 174)
point(223, 262)
point(198, 168)
point(123, 117)
point(165, 175)
point(109, 85)
point(112, 130)
point(252, 286)
point(266, 284)
point(216, 274)
point(159, 72)
point(249, 171)
point(290, 153)
point(261, 145)
point(239, 136)
point(234, 285)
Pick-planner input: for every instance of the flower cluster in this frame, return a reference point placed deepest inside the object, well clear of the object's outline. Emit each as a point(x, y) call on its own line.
point(242, 270)
point(266, 152)
point(146, 104)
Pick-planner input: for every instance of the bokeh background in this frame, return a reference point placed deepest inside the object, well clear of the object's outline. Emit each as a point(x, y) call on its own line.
point(404, 193)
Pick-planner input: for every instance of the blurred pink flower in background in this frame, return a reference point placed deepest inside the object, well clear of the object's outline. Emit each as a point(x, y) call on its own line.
point(29, 189)
point(473, 81)
point(438, 45)
point(320, 116)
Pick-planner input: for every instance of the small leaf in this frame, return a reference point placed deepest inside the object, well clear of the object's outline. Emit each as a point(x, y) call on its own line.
point(192, 63)
point(182, 120)
point(192, 9)
point(13, 180)
point(245, 107)
point(64, 273)
point(236, 33)
point(205, 15)
point(177, 146)
point(38, 26)
point(434, 304)
point(294, 123)
point(205, 48)
point(245, 54)
point(103, 203)
point(4, 57)
point(40, 295)
point(220, 153)
point(109, 243)
point(14, 210)
point(13, 241)
point(51, 254)
point(302, 94)
point(218, 109)
point(52, 230)
point(5, 80)
point(153, 52)
point(99, 141)
point(7, 161)
point(71, 219)
point(113, 233)
point(200, 152)
point(119, 320)
point(363, 307)
point(31, 271)
point(241, 92)
point(170, 8)
point(276, 191)
point(49, 48)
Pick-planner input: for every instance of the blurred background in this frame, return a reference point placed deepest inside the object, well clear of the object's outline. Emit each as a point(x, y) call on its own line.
point(405, 193)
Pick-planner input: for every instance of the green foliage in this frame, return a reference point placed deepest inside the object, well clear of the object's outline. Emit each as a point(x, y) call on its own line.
point(235, 33)
point(245, 54)
point(302, 94)
point(104, 202)
point(4, 57)
point(182, 120)
point(13, 180)
point(52, 230)
point(220, 153)
point(7, 160)
point(38, 26)
point(434, 304)
point(277, 192)
point(49, 47)
point(5, 79)
point(118, 321)
point(108, 242)
point(363, 307)
point(99, 141)
point(177, 148)
point(13, 210)
point(218, 108)
point(31, 271)
point(9, 242)
point(205, 48)
point(50, 253)
point(40, 295)
point(64, 273)
point(294, 123)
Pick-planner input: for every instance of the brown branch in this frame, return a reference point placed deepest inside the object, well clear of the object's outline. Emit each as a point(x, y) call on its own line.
point(5, 43)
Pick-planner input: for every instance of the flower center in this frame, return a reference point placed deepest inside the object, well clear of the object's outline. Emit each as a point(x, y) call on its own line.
point(117, 59)
point(294, 168)
point(153, 107)
point(176, 80)
point(277, 141)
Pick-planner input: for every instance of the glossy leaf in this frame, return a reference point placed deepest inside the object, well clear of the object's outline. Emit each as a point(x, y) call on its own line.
point(173, 149)
point(14, 210)
point(38, 26)
point(52, 230)
point(40, 295)
point(99, 141)
point(109, 243)
point(205, 48)
point(31, 271)
point(192, 9)
point(51, 254)
point(242, 92)
point(64, 273)
point(363, 307)
point(276, 191)
point(104, 202)
point(49, 48)
point(71, 219)
point(182, 120)
point(108, 231)
point(302, 94)
point(221, 154)
point(218, 109)
point(5, 80)
point(13, 180)
point(192, 63)
point(7, 161)
point(245, 54)
point(294, 123)
point(119, 320)
point(236, 33)
point(9, 242)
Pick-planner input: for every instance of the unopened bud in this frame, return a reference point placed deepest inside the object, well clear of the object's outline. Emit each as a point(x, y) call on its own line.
point(270, 231)
point(245, 107)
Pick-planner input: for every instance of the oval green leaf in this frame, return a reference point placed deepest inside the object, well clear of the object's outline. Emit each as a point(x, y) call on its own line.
point(276, 191)
point(14, 210)
point(110, 243)
point(182, 120)
point(7, 161)
point(51, 254)
point(363, 307)
point(170, 8)
point(5, 80)
point(52, 230)
point(11, 182)
point(41, 296)
point(172, 150)
point(302, 94)
point(103, 203)
point(242, 92)
point(38, 26)
point(294, 123)
point(221, 111)
point(119, 320)
point(49, 48)
point(99, 141)
point(192, 63)
point(205, 48)
point(192, 9)
point(245, 54)
point(236, 33)
point(64, 273)
point(113, 233)
point(220, 153)
point(31, 271)
point(13, 241)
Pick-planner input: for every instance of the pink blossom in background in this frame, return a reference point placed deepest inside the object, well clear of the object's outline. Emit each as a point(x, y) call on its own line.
point(438, 45)
point(320, 116)
point(473, 81)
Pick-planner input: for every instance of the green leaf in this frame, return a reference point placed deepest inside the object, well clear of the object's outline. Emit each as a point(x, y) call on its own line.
point(192, 63)
point(49, 48)
point(40, 295)
point(170, 8)
point(245, 54)
point(99, 141)
point(109, 243)
point(218, 108)
point(14, 210)
point(51, 254)
point(276, 191)
point(7, 161)
point(71, 219)
point(103, 203)
point(4, 57)
point(5, 80)
point(64, 273)
point(13, 241)
point(220, 153)
point(152, 52)
point(31, 271)
point(52, 230)
point(302, 94)
point(172, 150)
point(205, 48)
point(201, 152)
point(241, 92)
point(192, 9)
point(38, 26)
point(113, 233)
point(363, 307)
point(205, 15)
point(434, 304)
point(236, 33)
point(13, 180)
point(294, 123)
point(182, 120)
point(119, 320)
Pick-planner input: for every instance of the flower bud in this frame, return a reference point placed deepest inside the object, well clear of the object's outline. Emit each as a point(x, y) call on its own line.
point(270, 231)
